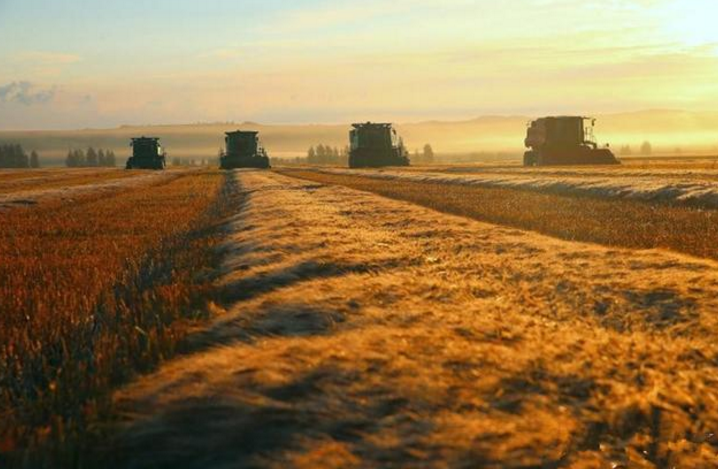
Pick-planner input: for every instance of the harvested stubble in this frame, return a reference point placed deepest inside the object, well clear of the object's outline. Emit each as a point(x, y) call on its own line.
point(94, 291)
point(370, 332)
point(619, 223)
point(667, 168)
point(30, 180)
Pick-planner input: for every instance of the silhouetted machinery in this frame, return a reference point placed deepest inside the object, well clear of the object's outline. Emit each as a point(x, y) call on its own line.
point(147, 153)
point(243, 150)
point(376, 145)
point(564, 141)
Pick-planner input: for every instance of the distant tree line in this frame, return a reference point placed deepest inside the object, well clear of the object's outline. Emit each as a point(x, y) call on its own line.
point(297, 160)
point(426, 157)
point(327, 155)
point(646, 149)
point(14, 156)
point(176, 161)
point(91, 158)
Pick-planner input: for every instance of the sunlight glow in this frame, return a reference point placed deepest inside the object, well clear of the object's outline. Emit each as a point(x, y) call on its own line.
point(319, 61)
point(692, 23)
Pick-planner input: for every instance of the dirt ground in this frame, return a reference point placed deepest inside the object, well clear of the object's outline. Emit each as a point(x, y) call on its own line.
point(367, 332)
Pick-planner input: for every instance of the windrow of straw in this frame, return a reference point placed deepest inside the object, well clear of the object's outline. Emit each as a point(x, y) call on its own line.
point(611, 222)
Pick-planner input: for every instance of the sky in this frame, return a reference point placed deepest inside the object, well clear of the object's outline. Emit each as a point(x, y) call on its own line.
point(67, 64)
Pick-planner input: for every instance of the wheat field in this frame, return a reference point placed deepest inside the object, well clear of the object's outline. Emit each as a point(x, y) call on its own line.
point(368, 332)
point(325, 318)
point(94, 289)
point(672, 187)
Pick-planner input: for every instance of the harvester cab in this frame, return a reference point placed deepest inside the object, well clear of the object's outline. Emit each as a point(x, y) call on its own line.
point(376, 145)
point(564, 140)
point(147, 153)
point(243, 150)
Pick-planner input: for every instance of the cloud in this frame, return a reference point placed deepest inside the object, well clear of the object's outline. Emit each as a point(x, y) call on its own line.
point(47, 58)
point(225, 53)
point(38, 65)
point(25, 93)
point(340, 13)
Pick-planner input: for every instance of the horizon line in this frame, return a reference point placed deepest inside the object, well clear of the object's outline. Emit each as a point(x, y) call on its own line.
point(332, 124)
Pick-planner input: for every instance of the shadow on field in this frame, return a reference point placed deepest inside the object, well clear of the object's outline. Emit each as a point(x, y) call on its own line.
point(284, 320)
point(266, 425)
point(663, 308)
point(267, 282)
point(207, 426)
point(658, 309)
point(252, 322)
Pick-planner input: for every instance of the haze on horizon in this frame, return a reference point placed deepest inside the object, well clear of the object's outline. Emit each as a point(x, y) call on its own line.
point(78, 64)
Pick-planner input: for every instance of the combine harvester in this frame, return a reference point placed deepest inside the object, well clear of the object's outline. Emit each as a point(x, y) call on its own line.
point(147, 153)
point(243, 150)
point(375, 146)
point(564, 141)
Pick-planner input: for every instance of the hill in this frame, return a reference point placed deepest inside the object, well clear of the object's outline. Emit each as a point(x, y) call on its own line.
point(480, 138)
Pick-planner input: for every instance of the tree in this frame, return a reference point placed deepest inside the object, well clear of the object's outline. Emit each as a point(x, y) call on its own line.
point(101, 158)
point(646, 148)
point(343, 159)
point(91, 157)
point(626, 150)
point(428, 154)
point(13, 156)
point(5, 156)
point(321, 154)
point(34, 160)
point(312, 156)
point(75, 159)
point(70, 159)
point(110, 159)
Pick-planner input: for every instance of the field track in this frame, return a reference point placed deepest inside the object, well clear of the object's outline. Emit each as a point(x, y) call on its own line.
point(368, 332)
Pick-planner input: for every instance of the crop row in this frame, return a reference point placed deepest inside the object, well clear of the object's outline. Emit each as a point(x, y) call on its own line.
point(611, 222)
point(94, 291)
point(650, 189)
